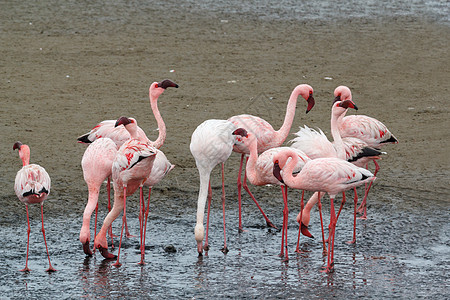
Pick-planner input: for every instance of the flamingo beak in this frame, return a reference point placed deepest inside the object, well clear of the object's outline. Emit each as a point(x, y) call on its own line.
point(122, 121)
point(277, 172)
point(311, 103)
point(104, 252)
point(305, 231)
point(337, 99)
point(167, 83)
point(87, 249)
point(200, 248)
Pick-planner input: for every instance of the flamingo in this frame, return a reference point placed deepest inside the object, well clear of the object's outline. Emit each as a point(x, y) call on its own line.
point(365, 128)
point(32, 185)
point(316, 145)
point(211, 144)
point(96, 164)
point(259, 170)
point(131, 167)
point(330, 175)
point(268, 137)
point(120, 135)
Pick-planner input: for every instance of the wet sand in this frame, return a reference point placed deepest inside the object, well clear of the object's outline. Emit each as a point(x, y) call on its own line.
point(63, 71)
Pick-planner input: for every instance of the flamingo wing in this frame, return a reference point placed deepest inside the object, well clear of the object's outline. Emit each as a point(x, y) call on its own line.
point(314, 143)
point(32, 184)
point(368, 129)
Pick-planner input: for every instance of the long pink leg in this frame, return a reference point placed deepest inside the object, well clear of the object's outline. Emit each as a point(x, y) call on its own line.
point(239, 186)
point(355, 201)
point(206, 246)
point(331, 234)
point(319, 206)
point(300, 224)
point(26, 269)
point(268, 222)
point(141, 223)
point(282, 227)
point(108, 187)
point(50, 268)
point(117, 263)
point(146, 218)
point(363, 207)
point(225, 248)
point(342, 204)
point(285, 221)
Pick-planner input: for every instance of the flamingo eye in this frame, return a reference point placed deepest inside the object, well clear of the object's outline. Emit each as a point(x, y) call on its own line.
point(156, 85)
point(310, 92)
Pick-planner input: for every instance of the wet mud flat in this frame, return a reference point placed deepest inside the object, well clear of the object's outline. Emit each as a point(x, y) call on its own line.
point(65, 68)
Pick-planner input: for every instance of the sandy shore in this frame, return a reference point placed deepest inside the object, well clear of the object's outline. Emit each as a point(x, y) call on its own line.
point(60, 76)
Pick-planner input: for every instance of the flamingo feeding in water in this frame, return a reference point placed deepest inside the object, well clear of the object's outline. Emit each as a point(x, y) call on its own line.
point(96, 164)
point(365, 128)
point(211, 144)
point(330, 175)
point(268, 137)
point(316, 145)
point(259, 170)
point(131, 167)
point(32, 185)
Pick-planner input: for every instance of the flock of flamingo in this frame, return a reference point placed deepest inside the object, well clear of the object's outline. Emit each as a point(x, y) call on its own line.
point(121, 151)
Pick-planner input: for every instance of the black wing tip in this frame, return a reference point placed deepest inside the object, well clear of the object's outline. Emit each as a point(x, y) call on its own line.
point(84, 139)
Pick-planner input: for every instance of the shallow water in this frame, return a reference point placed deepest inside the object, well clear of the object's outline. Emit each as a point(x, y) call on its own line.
point(401, 251)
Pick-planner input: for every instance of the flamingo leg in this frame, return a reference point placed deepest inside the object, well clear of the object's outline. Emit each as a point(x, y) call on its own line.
point(108, 188)
point(26, 269)
point(206, 247)
point(225, 248)
point(268, 222)
point(117, 263)
point(239, 186)
point(362, 209)
point(342, 204)
point(282, 228)
point(285, 221)
point(355, 201)
point(50, 268)
point(300, 225)
point(146, 217)
point(331, 235)
point(319, 206)
point(95, 222)
point(141, 223)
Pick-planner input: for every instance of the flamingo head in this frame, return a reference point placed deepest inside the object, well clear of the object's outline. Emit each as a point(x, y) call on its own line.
point(342, 93)
point(157, 88)
point(241, 132)
point(277, 171)
point(124, 121)
point(199, 234)
point(24, 152)
point(306, 91)
point(17, 145)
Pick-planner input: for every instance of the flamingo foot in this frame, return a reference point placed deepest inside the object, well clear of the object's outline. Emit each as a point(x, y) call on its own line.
point(104, 252)
point(241, 230)
point(206, 247)
point(270, 224)
point(363, 217)
point(352, 242)
point(117, 264)
point(225, 250)
point(50, 269)
point(87, 249)
point(129, 235)
point(305, 230)
point(26, 269)
point(142, 262)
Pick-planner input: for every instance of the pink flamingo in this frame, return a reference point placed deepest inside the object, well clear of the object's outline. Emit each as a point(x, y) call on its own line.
point(120, 135)
point(96, 164)
point(365, 128)
point(259, 171)
point(331, 175)
point(268, 137)
point(32, 185)
point(211, 144)
point(131, 167)
point(316, 145)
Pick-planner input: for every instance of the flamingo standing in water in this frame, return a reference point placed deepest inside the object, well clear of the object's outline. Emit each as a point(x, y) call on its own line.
point(96, 164)
point(268, 137)
point(32, 185)
point(211, 144)
point(120, 135)
point(131, 167)
point(316, 145)
point(331, 175)
point(365, 128)
point(259, 170)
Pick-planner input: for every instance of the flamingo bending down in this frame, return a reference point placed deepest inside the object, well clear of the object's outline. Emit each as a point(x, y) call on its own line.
point(211, 144)
point(131, 167)
point(96, 164)
point(32, 185)
point(259, 171)
point(331, 175)
point(367, 129)
point(316, 145)
point(268, 137)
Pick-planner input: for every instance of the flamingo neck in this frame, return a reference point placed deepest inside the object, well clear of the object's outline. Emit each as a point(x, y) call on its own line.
point(338, 143)
point(288, 169)
point(284, 130)
point(250, 168)
point(24, 154)
point(159, 120)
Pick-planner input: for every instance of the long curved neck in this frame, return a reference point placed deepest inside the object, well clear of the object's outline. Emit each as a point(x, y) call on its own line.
point(251, 163)
point(288, 169)
point(25, 156)
point(338, 143)
point(159, 120)
point(283, 132)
